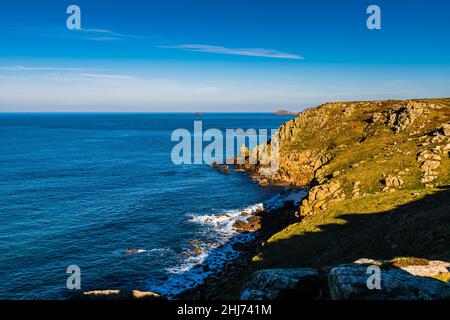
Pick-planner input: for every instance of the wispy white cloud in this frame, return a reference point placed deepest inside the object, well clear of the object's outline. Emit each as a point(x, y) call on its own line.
point(27, 72)
point(96, 34)
point(103, 38)
point(105, 35)
point(106, 76)
point(251, 52)
point(96, 30)
point(24, 68)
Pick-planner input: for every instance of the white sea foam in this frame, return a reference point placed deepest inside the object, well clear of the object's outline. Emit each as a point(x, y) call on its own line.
point(194, 268)
point(135, 251)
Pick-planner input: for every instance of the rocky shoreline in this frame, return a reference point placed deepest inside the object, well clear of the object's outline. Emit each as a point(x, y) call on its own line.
point(262, 224)
point(380, 166)
point(329, 150)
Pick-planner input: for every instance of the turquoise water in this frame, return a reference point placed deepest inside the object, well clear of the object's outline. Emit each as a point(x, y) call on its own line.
point(79, 189)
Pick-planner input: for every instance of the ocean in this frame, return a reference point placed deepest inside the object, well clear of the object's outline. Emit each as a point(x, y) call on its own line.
point(81, 189)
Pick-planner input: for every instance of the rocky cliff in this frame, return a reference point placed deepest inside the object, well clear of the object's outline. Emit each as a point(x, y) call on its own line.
point(355, 149)
point(378, 175)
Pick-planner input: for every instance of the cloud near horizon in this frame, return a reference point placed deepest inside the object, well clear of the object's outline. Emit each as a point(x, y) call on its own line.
point(105, 34)
point(25, 68)
point(251, 52)
point(93, 34)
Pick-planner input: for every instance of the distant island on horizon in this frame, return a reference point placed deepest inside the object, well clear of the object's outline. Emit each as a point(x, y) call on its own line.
point(283, 112)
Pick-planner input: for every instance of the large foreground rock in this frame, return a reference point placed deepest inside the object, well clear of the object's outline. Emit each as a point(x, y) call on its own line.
point(119, 295)
point(271, 284)
point(410, 279)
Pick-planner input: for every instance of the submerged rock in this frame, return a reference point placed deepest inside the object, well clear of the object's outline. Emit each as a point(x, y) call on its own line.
point(224, 169)
point(270, 284)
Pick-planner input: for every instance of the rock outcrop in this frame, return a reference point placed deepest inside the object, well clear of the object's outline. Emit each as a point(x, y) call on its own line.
point(392, 183)
point(364, 161)
point(360, 161)
point(410, 282)
point(320, 195)
point(253, 223)
point(429, 162)
point(446, 129)
point(399, 279)
point(401, 116)
point(119, 295)
point(224, 169)
point(271, 284)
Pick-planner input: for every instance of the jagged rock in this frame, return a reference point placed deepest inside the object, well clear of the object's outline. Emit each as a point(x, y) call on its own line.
point(356, 190)
point(379, 117)
point(271, 284)
point(393, 182)
point(252, 224)
point(402, 116)
point(428, 178)
point(428, 162)
point(336, 173)
point(446, 148)
point(320, 195)
point(244, 152)
point(197, 250)
point(224, 169)
point(412, 282)
point(427, 155)
point(300, 168)
point(263, 183)
point(215, 165)
point(429, 165)
point(120, 295)
point(348, 111)
point(438, 138)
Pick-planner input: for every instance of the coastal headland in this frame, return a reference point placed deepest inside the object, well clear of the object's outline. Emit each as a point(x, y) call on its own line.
point(377, 175)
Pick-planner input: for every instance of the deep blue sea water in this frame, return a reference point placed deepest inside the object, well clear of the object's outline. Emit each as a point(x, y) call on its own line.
point(79, 189)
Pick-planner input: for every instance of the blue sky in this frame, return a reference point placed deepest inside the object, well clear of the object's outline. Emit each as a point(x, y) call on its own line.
point(219, 55)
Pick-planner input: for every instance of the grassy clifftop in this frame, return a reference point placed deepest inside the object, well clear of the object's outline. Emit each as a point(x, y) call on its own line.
point(379, 177)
